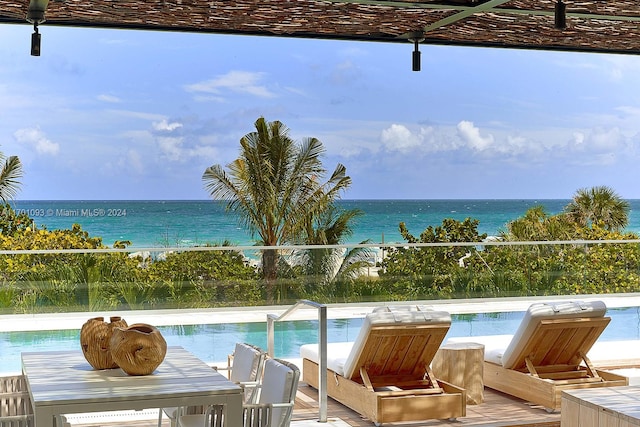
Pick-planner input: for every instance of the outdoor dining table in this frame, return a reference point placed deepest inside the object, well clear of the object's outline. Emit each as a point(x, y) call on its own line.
point(63, 382)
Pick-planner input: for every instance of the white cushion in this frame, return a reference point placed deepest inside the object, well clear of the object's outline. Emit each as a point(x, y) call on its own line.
point(277, 387)
point(337, 354)
point(544, 311)
point(246, 363)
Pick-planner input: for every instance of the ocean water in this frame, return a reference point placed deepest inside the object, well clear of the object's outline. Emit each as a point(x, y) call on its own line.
point(170, 223)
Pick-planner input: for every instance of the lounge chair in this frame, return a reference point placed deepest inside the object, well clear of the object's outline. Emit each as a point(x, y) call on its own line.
point(548, 353)
point(385, 375)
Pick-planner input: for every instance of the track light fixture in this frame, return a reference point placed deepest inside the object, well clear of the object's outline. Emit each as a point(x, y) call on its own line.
point(560, 15)
point(35, 15)
point(416, 37)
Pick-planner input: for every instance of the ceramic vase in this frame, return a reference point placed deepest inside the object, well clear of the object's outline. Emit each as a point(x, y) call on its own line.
point(95, 337)
point(138, 349)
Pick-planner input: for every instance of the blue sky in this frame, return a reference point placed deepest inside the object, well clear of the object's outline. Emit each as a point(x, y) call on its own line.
point(114, 114)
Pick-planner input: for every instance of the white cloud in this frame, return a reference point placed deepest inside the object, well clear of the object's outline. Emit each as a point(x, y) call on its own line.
point(171, 148)
point(164, 125)
point(471, 135)
point(579, 147)
point(600, 147)
point(36, 139)
point(109, 98)
point(400, 138)
point(235, 81)
point(177, 149)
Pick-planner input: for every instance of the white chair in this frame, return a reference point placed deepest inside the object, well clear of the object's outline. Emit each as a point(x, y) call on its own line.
point(274, 407)
point(244, 367)
point(15, 404)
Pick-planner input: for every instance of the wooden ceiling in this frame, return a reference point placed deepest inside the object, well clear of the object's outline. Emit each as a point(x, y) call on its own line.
point(592, 26)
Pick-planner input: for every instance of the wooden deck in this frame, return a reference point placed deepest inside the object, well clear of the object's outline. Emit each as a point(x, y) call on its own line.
point(497, 410)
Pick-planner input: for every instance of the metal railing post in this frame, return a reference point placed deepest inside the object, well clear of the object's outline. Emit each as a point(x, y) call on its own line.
point(271, 320)
point(322, 367)
point(322, 347)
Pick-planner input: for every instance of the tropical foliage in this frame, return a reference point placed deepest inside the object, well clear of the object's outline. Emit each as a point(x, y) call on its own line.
point(96, 281)
point(326, 271)
point(598, 205)
point(432, 270)
point(10, 174)
point(525, 269)
point(276, 187)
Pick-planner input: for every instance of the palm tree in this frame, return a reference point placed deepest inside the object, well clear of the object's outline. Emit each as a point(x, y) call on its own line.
point(327, 265)
point(10, 175)
point(275, 186)
point(598, 205)
point(536, 225)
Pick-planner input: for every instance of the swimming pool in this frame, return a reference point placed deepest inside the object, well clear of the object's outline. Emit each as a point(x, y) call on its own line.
point(213, 342)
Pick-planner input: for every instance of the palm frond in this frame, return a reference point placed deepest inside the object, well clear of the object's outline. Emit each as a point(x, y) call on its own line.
point(10, 175)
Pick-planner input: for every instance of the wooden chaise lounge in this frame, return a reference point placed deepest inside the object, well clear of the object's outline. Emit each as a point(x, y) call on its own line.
point(385, 375)
point(548, 353)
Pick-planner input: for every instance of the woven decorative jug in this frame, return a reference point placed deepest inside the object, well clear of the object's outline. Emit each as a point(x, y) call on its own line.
point(95, 337)
point(138, 349)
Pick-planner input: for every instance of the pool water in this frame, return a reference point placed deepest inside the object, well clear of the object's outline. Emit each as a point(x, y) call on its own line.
point(213, 342)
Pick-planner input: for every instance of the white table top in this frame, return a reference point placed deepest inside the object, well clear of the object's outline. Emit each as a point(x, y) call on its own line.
point(63, 382)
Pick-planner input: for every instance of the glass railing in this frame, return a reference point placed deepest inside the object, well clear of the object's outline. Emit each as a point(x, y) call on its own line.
point(79, 280)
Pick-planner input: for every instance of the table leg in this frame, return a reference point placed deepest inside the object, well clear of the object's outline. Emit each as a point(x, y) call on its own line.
point(43, 417)
point(233, 417)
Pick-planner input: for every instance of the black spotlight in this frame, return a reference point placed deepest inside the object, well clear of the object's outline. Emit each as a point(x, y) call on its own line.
point(416, 38)
point(35, 14)
point(560, 15)
point(35, 41)
point(416, 58)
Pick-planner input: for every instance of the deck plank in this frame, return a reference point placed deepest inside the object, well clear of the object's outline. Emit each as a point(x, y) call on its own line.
point(497, 410)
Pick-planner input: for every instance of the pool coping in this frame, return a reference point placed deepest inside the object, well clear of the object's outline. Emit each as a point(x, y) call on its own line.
point(166, 317)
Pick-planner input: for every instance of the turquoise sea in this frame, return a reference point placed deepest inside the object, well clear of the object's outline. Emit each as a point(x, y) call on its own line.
point(170, 223)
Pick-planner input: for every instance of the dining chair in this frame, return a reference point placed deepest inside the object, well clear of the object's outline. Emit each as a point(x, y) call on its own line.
point(244, 367)
point(15, 404)
point(273, 407)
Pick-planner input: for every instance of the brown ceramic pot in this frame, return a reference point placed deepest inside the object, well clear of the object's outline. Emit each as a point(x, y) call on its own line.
point(138, 349)
point(95, 337)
